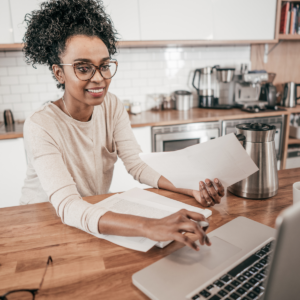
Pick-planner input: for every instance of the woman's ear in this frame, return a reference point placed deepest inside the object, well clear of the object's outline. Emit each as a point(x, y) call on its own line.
point(58, 73)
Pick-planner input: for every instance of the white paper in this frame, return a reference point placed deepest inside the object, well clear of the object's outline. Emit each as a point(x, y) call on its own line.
point(145, 204)
point(223, 158)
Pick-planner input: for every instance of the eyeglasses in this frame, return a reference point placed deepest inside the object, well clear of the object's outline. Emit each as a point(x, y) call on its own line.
point(25, 294)
point(85, 71)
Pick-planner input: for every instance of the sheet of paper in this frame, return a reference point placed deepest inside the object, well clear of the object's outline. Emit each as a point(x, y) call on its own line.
point(145, 204)
point(223, 158)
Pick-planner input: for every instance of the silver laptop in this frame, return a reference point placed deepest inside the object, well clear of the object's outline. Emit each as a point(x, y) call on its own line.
point(247, 260)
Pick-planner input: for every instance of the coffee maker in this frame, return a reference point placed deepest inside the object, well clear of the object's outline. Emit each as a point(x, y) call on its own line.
point(268, 90)
point(207, 86)
point(248, 88)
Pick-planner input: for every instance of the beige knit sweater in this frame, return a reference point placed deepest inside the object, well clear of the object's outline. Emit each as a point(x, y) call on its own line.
point(69, 159)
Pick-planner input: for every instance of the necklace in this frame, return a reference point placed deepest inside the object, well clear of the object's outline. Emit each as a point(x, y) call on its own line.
point(62, 98)
point(66, 107)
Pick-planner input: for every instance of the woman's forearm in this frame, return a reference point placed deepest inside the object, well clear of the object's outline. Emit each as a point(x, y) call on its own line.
point(164, 183)
point(129, 225)
point(122, 224)
point(165, 229)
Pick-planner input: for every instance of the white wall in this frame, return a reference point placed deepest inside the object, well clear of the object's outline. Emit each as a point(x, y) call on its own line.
point(141, 72)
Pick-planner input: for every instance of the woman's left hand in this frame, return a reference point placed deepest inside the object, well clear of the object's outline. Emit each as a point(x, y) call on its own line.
point(209, 194)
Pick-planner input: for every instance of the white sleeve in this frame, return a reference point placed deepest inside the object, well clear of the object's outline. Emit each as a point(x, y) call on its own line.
point(58, 183)
point(128, 149)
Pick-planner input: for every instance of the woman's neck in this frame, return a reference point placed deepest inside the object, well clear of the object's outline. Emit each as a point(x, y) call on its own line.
point(76, 109)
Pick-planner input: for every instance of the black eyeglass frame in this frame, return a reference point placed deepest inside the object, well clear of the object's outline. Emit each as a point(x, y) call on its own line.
point(32, 291)
point(95, 68)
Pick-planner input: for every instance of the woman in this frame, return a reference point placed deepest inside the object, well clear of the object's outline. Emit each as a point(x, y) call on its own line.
point(73, 143)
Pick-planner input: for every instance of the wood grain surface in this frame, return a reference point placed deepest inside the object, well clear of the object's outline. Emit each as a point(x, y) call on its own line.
point(86, 267)
point(13, 131)
point(283, 60)
point(11, 135)
point(162, 43)
point(173, 117)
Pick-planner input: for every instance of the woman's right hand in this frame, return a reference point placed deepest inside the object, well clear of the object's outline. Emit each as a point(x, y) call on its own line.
point(171, 228)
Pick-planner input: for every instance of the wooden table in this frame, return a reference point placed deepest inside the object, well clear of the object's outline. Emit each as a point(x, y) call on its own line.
point(86, 267)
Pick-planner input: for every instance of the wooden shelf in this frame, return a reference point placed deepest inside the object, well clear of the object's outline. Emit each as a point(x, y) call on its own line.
point(289, 36)
point(293, 141)
point(143, 44)
point(10, 47)
point(187, 43)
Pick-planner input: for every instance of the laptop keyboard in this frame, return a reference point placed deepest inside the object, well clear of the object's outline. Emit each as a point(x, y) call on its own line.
point(243, 282)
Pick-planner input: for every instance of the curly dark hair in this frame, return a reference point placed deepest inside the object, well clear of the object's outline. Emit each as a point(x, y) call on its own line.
point(49, 28)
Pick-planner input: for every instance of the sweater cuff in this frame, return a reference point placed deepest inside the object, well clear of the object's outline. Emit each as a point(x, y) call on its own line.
point(93, 222)
point(150, 177)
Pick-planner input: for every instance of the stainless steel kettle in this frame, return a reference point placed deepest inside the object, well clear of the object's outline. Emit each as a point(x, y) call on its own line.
point(289, 98)
point(8, 117)
point(258, 141)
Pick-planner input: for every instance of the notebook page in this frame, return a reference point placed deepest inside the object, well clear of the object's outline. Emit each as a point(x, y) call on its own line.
point(144, 204)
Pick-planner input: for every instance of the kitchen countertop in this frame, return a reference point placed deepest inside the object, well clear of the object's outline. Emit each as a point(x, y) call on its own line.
point(172, 117)
point(12, 131)
point(90, 268)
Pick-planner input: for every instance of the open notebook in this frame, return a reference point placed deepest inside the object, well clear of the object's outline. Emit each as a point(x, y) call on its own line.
point(142, 203)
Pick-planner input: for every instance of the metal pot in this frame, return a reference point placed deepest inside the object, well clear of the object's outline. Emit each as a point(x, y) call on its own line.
point(258, 141)
point(183, 100)
point(225, 74)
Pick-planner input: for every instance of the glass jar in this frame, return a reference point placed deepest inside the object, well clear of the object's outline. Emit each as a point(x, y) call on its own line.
point(126, 104)
point(167, 103)
point(135, 108)
point(157, 102)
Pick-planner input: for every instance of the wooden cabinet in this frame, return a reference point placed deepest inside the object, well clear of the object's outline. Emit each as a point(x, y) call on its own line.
point(6, 31)
point(244, 19)
point(176, 20)
point(208, 20)
point(12, 172)
point(145, 23)
point(125, 16)
point(122, 180)
point(18, 11)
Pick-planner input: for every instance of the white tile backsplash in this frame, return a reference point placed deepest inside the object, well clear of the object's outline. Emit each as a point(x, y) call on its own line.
point(141, 72)
point(3, 71)
point(19, 89)
point(9, 80)
point(4, 90)
point(11, 98)
point(17, 70)
point(8, 61)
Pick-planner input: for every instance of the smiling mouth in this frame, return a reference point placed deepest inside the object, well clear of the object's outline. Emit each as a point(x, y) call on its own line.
point(100, 90)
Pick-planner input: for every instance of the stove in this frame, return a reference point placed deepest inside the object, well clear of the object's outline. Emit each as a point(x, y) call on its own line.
point(261, 108)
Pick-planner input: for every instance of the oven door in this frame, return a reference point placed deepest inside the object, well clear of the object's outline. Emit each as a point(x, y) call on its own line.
point(179, 140)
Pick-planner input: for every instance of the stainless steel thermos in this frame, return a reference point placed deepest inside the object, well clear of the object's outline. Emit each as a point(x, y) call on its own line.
point(258, 141)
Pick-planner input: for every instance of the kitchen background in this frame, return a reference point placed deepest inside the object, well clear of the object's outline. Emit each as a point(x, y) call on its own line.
point(141, 73)
point(158, 54)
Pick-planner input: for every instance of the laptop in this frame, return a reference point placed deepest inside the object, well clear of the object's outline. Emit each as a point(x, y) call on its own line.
point(247, 260)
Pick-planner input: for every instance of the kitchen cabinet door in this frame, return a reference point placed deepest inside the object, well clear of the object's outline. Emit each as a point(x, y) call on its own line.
point(125, 16)
point(244, 19)
point(122, 180)
point(12, 171)
point(176, 19)
point(6, 31)
point(19, 8)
